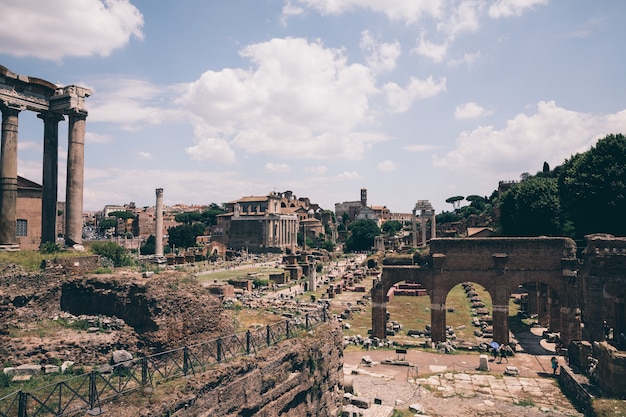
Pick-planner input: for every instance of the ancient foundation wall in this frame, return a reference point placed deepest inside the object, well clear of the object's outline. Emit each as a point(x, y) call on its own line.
point(298, 377)
point(78, 265)
point(165, 311)
point(611, 369)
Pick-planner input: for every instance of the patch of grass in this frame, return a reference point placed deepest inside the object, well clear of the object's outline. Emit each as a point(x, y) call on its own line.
point(237, 274)
point(32, 260)
point(402, 413)
point(245, 319)
point(525, 402)
point(608, 407)
point(48, 327)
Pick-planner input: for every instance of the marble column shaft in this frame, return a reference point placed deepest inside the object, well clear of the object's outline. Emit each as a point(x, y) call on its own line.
point(75, 178)
point(158, 244)
point(8, 176)
point(50, 176)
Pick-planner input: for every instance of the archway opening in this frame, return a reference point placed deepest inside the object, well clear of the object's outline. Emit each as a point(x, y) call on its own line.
point(469, 315)
point(408, 313)
point(535, 317)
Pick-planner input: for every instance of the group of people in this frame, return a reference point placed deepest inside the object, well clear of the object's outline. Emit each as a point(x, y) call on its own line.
point(501, 353)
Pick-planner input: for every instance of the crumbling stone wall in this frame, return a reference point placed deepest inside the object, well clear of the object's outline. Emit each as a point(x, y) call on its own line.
point(298, 377)
point(79, 265)
point(166, 311)
point(611, 369)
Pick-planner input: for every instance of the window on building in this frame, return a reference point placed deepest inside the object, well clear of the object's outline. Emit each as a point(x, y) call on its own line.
point(22, 227)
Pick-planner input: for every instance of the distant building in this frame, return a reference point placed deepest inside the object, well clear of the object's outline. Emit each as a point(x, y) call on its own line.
point(28, 209)
point(258, 224)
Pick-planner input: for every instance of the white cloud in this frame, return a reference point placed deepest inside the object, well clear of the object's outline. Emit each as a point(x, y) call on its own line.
point(55, 29)
point(349, 175)
point(468, 58)
point(471, 110)
point(462, 18)
point(132, 103)
point(92, 137)
point(436, 52)
point(399, 99)
point(387, 166)
point(144, 155)
point(551, 134)
point(317, 170)
point(507, 8)
point(29, 145)
point(299, 99)
point(278, 168)
point(211, 149)
point(180, 186)
point(420, 148)
point(408, 11)
point(381, 57)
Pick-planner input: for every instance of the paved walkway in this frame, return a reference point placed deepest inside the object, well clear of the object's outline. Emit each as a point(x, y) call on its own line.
point(451, 386)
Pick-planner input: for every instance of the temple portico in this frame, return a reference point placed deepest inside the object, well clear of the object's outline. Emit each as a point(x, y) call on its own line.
point(20, 93)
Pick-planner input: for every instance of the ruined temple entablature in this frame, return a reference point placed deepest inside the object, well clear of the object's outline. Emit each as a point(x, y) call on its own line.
point(20, 93)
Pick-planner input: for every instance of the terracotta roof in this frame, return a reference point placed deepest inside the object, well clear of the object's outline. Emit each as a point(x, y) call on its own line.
point(251, 198)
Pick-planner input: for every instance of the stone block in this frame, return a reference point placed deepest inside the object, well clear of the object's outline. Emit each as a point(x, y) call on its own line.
point(28, 369)
point(50, 369)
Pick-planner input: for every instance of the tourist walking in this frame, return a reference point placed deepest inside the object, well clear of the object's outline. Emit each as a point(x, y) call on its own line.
point(555, 364)
point(503, 354)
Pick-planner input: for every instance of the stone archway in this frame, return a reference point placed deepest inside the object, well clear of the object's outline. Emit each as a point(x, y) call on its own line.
point(499, 265)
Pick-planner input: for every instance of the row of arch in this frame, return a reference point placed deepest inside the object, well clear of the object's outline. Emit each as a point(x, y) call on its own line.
point(545, 266)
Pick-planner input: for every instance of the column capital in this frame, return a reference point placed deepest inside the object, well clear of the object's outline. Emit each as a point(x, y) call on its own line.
point(50, 116)
point(11, 108)
point(76, 113)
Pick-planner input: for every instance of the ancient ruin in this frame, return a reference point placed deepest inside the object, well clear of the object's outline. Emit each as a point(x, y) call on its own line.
point(22, 93)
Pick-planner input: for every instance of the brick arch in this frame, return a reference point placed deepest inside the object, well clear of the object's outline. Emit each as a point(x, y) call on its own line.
point(500, 265)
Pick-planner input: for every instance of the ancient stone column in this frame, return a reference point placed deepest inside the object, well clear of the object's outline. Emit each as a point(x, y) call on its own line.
point(379, 311)
point(423, 220)
point(158, 245)
point(50, 176)
point(433, 225)
point(8, 177)
point(414, 224)
point(438, 316)
point(75, 178)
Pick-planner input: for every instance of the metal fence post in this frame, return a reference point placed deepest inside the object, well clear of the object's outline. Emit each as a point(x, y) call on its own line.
point(22, 402)
point(185, 360)
point(286, 329)
point(306, 321)
point(144, 371)
point(248, 340)
point(93, 390)
point(219, 349)
point(267, 336)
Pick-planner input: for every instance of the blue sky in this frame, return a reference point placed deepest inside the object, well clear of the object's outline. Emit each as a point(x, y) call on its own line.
point(213, 100)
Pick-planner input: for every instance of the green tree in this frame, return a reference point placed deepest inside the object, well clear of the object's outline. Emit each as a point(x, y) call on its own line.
point(148, 247)
point(117, 254)
point(189, 217)
point(455, 201)
point(209, 217)
point(106, 224)
point(122, 214)
point(328, 245)
point(391, 227)
point(592, 188)
point(532, 208)
point(447, 217)
point(185, 236)
point(362, 235)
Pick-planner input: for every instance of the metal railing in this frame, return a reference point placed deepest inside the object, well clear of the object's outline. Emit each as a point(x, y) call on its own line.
point(88, 391)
